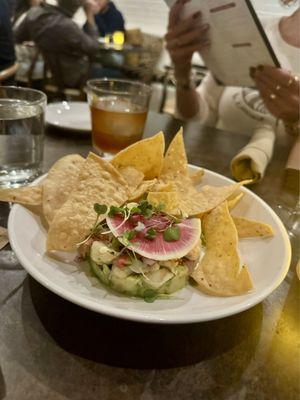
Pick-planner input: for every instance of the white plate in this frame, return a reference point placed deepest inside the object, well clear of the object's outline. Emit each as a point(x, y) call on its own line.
point(69, 115)
point(268, 261)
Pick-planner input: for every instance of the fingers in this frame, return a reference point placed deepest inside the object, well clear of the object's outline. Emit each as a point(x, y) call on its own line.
point(187, 51)
point(278, 103)
point(176, 11)
point(276, 79)
point(195, 36)
point(184, 26)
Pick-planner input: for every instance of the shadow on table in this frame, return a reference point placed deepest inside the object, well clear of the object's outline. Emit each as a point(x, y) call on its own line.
point(57, 132)
point(130, 344)
point(2, 386)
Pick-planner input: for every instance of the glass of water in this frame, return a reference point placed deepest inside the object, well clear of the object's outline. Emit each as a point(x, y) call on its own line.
point(21, 135)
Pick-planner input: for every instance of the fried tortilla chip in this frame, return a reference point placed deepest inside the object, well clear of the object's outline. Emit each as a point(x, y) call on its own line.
point(146, 156)
point(3, 237)
point(208, 198)
point(219, 272)
point(232, 202)
point(196, 177)
point(161, 186)
point(175, 160)
point(144, 187)
point(59, 183)
point(132, 176)
point(29, 195)
point(168, 199)
point(99, 182)
point(247, 228)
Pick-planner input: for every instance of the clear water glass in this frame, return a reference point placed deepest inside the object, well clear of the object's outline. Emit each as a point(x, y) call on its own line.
point(21, 135)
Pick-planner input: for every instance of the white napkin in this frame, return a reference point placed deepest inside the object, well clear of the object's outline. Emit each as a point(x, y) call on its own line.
point(252, 161)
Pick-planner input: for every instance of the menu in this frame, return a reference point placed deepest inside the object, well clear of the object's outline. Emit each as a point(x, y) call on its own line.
point(238, 40)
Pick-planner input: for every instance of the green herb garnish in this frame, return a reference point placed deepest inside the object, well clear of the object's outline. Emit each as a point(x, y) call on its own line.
point(172, 234)
point(151, 233)
point(115, 210)
point(100, 208)
point(129, 235)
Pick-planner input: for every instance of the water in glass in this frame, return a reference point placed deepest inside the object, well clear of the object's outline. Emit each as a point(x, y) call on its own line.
point(21, 141)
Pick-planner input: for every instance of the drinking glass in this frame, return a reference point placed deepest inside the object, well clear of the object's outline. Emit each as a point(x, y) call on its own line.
point(21, 135)
point(118, 112)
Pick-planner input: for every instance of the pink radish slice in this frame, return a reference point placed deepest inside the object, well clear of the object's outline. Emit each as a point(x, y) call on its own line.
point(158, 248)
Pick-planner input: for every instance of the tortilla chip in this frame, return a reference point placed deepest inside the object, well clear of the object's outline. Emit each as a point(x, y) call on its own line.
point(232, 202)
point(219, 272)
point(175, 160)
point(3, 237)
point(29, 195)
point(247, 228)
point(146, 156)
point(161, 186)
point(144, 187)
point(132, 176)
point(197, 176)
point(168, 199)
point(99, 182)
point(59, 183)
point(208, 198)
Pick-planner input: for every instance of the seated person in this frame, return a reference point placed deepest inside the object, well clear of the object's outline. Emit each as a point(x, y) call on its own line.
point(109, 19)
point(7, 52)
point(65, 47)
point(237, 109)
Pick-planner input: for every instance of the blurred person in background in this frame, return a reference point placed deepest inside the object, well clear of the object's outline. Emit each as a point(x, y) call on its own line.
point(65, 47)
point(108, 19)
point(237, 109)
point(7, 51)
point(22, 6)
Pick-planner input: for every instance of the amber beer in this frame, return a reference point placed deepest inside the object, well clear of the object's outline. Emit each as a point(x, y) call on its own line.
point(116, 123)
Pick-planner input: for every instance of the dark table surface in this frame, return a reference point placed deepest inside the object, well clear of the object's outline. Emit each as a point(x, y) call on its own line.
point(51, 349)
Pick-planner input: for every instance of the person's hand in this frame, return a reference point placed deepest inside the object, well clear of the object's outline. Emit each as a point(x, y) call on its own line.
point(279, 90)
point(184, 37)
point(91, 7)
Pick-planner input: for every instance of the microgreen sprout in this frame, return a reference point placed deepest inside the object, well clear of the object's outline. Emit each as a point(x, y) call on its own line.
point(151, 233)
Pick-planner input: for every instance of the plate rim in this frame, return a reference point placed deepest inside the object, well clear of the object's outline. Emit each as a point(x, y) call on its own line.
point(133, 315)
point(67, 128)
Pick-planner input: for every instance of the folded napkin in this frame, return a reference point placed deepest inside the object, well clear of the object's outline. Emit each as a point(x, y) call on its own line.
point(252, 161)
point(3, 237)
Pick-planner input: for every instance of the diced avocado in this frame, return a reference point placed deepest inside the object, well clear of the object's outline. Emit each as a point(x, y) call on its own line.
point(102, 272)
point(102, 254)
point(121, 273)
point(178, 282)
point(130, 285)
point(124, 281)
point(156, 279)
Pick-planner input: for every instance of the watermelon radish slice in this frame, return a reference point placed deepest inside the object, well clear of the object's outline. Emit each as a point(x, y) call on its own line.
point(157, 248)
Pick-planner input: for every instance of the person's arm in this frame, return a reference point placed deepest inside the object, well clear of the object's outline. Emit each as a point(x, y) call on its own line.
point(21, 32)
point(75, 40)
point(184, 37)
point(91, 8)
